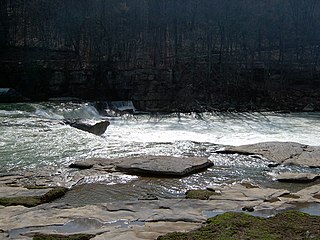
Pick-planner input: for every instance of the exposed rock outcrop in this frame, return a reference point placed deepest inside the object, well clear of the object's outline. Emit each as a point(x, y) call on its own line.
point(148, 165)
point(98, 128)
point(239, 192)
point(91, 170)
point(81, 165)
point(287, 153)
point(297, 177)
point(144, 219)
point(29, 197)
point(166, 166)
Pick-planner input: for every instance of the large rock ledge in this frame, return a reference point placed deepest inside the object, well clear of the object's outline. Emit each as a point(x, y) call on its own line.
point(148, 165)
point(166, 166)
point(297, 177)
point(146, 219)
point(29, 197)
point(92, 169)
point(287, 153)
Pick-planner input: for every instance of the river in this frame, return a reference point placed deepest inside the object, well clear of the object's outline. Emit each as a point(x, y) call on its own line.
point(33, 136)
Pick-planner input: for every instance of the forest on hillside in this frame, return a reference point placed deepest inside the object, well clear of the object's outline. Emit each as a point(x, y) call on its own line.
point(209, 44)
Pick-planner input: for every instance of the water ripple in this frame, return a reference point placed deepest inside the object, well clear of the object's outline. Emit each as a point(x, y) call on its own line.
point(33, 136)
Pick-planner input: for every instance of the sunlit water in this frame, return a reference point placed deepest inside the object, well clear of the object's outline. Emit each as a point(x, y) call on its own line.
point(33, 136)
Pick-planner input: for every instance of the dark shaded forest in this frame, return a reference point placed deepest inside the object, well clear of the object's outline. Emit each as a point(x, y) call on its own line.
point(165, 54)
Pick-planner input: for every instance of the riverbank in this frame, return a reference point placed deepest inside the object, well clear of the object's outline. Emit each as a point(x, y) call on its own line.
point(282, 101)
point(181, 87)
point(287, 225)
point(149, 219)
point(105, 197)
point(151, 216)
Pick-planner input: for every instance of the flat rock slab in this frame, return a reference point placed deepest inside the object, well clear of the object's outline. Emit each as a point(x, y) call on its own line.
point(239, 192)
point(142, 219)
point(163, 166)
point(297, 177)
point(14, 196)
point(11, 179)
point(93, 169)
point(287, 153)
point(9, 192)
point(313, 191)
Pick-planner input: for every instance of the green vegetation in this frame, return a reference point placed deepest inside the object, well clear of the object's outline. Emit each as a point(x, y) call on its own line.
point(24, 201)
point(32, 201)
point(55, 193)
point(287, 225)
point(249, 185)
point(200, 194)
point(63, 237)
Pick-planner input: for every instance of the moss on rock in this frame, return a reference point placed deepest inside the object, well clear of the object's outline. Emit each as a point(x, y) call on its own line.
point(63, 237)
point(32, 201)
point(53, 194)
point(287, 225)
point(200, 194)
point(23, 200)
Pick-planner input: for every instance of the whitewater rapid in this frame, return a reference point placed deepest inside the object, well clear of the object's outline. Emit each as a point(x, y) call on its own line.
point(33, 136)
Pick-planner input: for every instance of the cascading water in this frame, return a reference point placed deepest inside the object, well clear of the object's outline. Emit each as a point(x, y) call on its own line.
point(33, 136)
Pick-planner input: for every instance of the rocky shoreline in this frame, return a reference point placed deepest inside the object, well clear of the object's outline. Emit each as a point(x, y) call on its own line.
point(150, 217)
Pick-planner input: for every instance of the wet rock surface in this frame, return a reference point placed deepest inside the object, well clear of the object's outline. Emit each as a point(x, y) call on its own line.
point(95, 128)
point(147, 165)
point(287, 153)
point(163, 166)
point(150, 216)
point(81, 172)
point(29, 197)
point(9, 192)
point(243, 193)
point(81, 165)
point(297, 177)
point(145, 219)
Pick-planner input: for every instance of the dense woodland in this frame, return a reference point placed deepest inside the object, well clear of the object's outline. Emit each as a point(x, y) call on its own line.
point(214, 47)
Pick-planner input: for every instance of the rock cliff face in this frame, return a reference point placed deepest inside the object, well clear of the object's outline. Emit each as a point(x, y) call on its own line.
point(176, 88)
point(149, 89)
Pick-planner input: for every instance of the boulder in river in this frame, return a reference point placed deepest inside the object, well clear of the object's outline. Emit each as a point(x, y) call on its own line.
point(287, 153)
point(163, 166)
point(98, 128)
point(81, 165)
point(151, 166)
